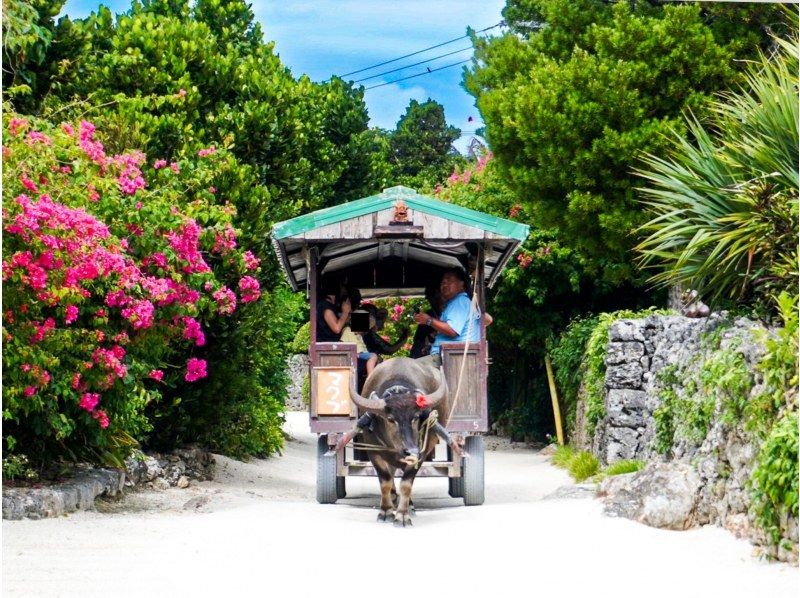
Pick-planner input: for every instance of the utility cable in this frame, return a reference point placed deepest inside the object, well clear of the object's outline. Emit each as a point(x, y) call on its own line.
point(428, 72)
point(374, 66)
point(410, 65)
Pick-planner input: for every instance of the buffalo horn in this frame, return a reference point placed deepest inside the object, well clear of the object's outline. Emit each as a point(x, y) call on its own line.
point(440, 393)
point(373, 403)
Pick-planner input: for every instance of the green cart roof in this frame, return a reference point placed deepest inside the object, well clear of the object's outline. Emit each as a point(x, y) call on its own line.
point(374, 203)
point(345, 235)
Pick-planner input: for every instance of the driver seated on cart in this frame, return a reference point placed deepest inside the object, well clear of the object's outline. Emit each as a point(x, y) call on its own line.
point(459, 321)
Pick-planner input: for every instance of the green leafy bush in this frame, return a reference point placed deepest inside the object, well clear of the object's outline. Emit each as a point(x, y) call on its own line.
point(17, 467)
point(775, 478)
point(302, 340)
point(568, 354)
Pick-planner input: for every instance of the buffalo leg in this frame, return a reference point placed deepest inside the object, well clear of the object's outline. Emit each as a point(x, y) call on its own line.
point(402, 517)
point(387, 488)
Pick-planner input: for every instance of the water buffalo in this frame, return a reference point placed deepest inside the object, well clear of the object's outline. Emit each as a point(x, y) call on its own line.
point(401, 395)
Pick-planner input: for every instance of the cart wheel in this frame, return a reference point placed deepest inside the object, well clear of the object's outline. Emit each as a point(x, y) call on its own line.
point(327, 486)
point(472, 473)
point(455, 486)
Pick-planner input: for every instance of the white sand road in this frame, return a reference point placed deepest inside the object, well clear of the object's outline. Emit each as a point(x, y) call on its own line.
point(257, 531)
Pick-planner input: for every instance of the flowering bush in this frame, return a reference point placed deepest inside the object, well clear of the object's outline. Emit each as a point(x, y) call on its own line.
point(401, 317)
point(111, 270)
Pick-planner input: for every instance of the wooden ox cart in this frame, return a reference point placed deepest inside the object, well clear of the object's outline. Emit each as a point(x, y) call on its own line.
point(395, 244)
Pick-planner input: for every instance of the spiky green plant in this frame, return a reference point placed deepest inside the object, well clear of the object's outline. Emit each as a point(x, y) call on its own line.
point(725, 200)
point(563, 456)
point(583, 465)
point(624, 466)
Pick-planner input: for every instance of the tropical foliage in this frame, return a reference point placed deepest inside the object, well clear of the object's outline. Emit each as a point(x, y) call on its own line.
point(724, 201)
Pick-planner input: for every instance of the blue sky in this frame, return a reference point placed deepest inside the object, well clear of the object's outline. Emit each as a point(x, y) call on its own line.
point(325, 37)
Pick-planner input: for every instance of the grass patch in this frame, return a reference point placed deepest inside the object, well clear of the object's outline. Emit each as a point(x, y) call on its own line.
point(624, 466)
point(583, 465)
point(580, 464)
point(563, 456)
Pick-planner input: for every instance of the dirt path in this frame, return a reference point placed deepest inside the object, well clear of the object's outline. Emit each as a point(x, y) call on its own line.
point(257, 530)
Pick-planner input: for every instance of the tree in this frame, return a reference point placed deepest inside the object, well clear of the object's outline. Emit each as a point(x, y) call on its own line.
point(422, 145)
point(570, 106)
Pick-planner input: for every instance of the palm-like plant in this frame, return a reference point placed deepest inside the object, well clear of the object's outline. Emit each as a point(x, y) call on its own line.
point(725, 203)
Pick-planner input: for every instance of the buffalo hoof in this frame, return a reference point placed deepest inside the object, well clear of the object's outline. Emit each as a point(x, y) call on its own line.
point(386, 515)
point(403, 520)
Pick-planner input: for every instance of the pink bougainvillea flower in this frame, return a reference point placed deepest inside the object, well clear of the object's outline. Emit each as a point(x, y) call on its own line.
point(251, 262)
point(207, 151)
point(156, 375)
point(193, 331)
point(101, 417)
point(249, 289)
point(30, 391)
point(195, 369)
point(27, 183)
point(67, 128)
point(76, 381)
point(225, 241)
point(93, 194)
point(159, 164)
point(16, 125)
point(35, 137)
point(140, 314)
point(226, 301)
point(89, 401)
point(70, 314)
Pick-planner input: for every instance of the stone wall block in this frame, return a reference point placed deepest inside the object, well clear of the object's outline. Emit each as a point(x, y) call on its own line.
point(624, 352)
point(627, 330)
point(625, 375)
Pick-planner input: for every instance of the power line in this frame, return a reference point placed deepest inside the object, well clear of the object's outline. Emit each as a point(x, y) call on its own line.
point(428, 72)
point(410, 65)
point(374, 66)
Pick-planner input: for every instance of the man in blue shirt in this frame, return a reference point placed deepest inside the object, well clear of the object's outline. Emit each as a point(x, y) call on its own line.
point(458, 318)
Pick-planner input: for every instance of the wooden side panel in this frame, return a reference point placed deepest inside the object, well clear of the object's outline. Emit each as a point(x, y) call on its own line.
point(470, 413)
